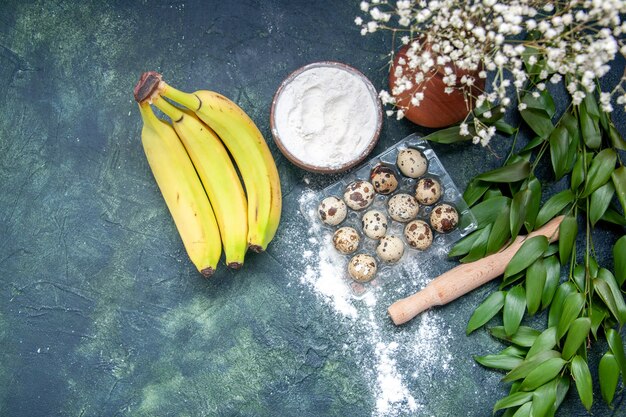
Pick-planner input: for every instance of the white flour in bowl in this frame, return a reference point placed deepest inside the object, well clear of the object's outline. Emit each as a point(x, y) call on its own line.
point(326, 116)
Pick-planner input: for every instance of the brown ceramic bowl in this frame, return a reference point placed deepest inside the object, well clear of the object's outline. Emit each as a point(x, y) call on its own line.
point(347, 164)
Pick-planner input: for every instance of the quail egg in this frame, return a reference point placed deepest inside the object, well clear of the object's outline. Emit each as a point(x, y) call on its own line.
point(418, 234)
point(346, 240)
point(362, 267)
point(412, 163)
point(428, 191)
point(374, 224)
point(384, 179)
point(332, 210)
point(359, 194)
point(444, 218)
point(390, 249)
point(402, 207)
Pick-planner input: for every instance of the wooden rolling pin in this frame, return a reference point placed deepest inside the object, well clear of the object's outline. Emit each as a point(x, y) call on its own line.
point(464, 278)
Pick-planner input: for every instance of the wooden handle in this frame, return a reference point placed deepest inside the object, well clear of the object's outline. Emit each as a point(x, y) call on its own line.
point(465, 278)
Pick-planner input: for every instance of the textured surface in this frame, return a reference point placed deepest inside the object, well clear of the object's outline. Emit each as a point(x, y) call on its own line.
point(101, 313)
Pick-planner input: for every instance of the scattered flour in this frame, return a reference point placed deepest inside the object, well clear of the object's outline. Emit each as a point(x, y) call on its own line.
point(395, 388)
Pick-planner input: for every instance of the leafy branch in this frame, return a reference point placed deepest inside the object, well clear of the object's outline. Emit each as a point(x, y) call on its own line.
point(589, 304)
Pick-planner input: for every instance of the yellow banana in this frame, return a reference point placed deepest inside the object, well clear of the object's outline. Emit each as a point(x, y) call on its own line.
point(250, 151)
point(218, 176)
point(182, 190)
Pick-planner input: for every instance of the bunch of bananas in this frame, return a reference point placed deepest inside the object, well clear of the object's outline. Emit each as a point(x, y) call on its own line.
point(198, 179)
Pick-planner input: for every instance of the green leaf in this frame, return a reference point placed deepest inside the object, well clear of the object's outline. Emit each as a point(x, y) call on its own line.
point(582, 378)
point(507, 174)
point(530, 364)
point(615, 304)
point(514, 306)
point(592, 106)
point(568, 230)
point(554, 206)
point(479, 247)
point(475, 189)
point(590, 128)
point(538, 121)
point(579, 277)
point(556, 308)
point(536, 141)
point(545, 341)
point(486, 310)
point(608, 372)
point(572, 306)
point(504, 127)
point(513, 279)
point(559, 149)
point(553, 249)
point(534, 202)
point(600, 200)
point(617, 348)
point(620, 306)
point(571, 124)
point(492, 192)
point(464, 245)
point(597, 313)
point(535, 282)
point(542, 374)
point(620, 260)
point(544, 398)
point(519, 210)
point(578, 173)
point(500, 232)
point(619, 181)
point(529, 252)
point(504, 362)
point(513, 400)
point(525, 336)
point(524, 410)
point(600, 170)
point(543, 103)
point(449, 135)
point(553, 276)
point(576, 336)
point(612, 216)
point(562, 388)
point(487, 211)
point(617, 141)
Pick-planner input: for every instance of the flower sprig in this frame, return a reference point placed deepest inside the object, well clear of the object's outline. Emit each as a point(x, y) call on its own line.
point(516, 44)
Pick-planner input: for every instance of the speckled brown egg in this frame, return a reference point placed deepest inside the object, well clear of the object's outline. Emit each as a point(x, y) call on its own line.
point(390, 249)
point(374, 224)
point(384, 179)
point(402, 207)
point(418, 234)
point(359, 195)
point(362, 267)
point(428, 191)
point(444, 218)
point(412, 163)
point(346, 240)
point(332, 210)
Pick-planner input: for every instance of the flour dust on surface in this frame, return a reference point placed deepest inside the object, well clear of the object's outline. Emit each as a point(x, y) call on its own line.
point(398, 363)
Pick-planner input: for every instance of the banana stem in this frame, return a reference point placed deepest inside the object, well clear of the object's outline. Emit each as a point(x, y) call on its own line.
point(191, 101)
point(166, 107)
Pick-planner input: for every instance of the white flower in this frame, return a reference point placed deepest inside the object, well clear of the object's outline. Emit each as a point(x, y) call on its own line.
point(578, 97)
point(522, 106)
point(365, 6)
point(556, 78)
point(463, 129)
point(372, 26)
point(358, 20)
